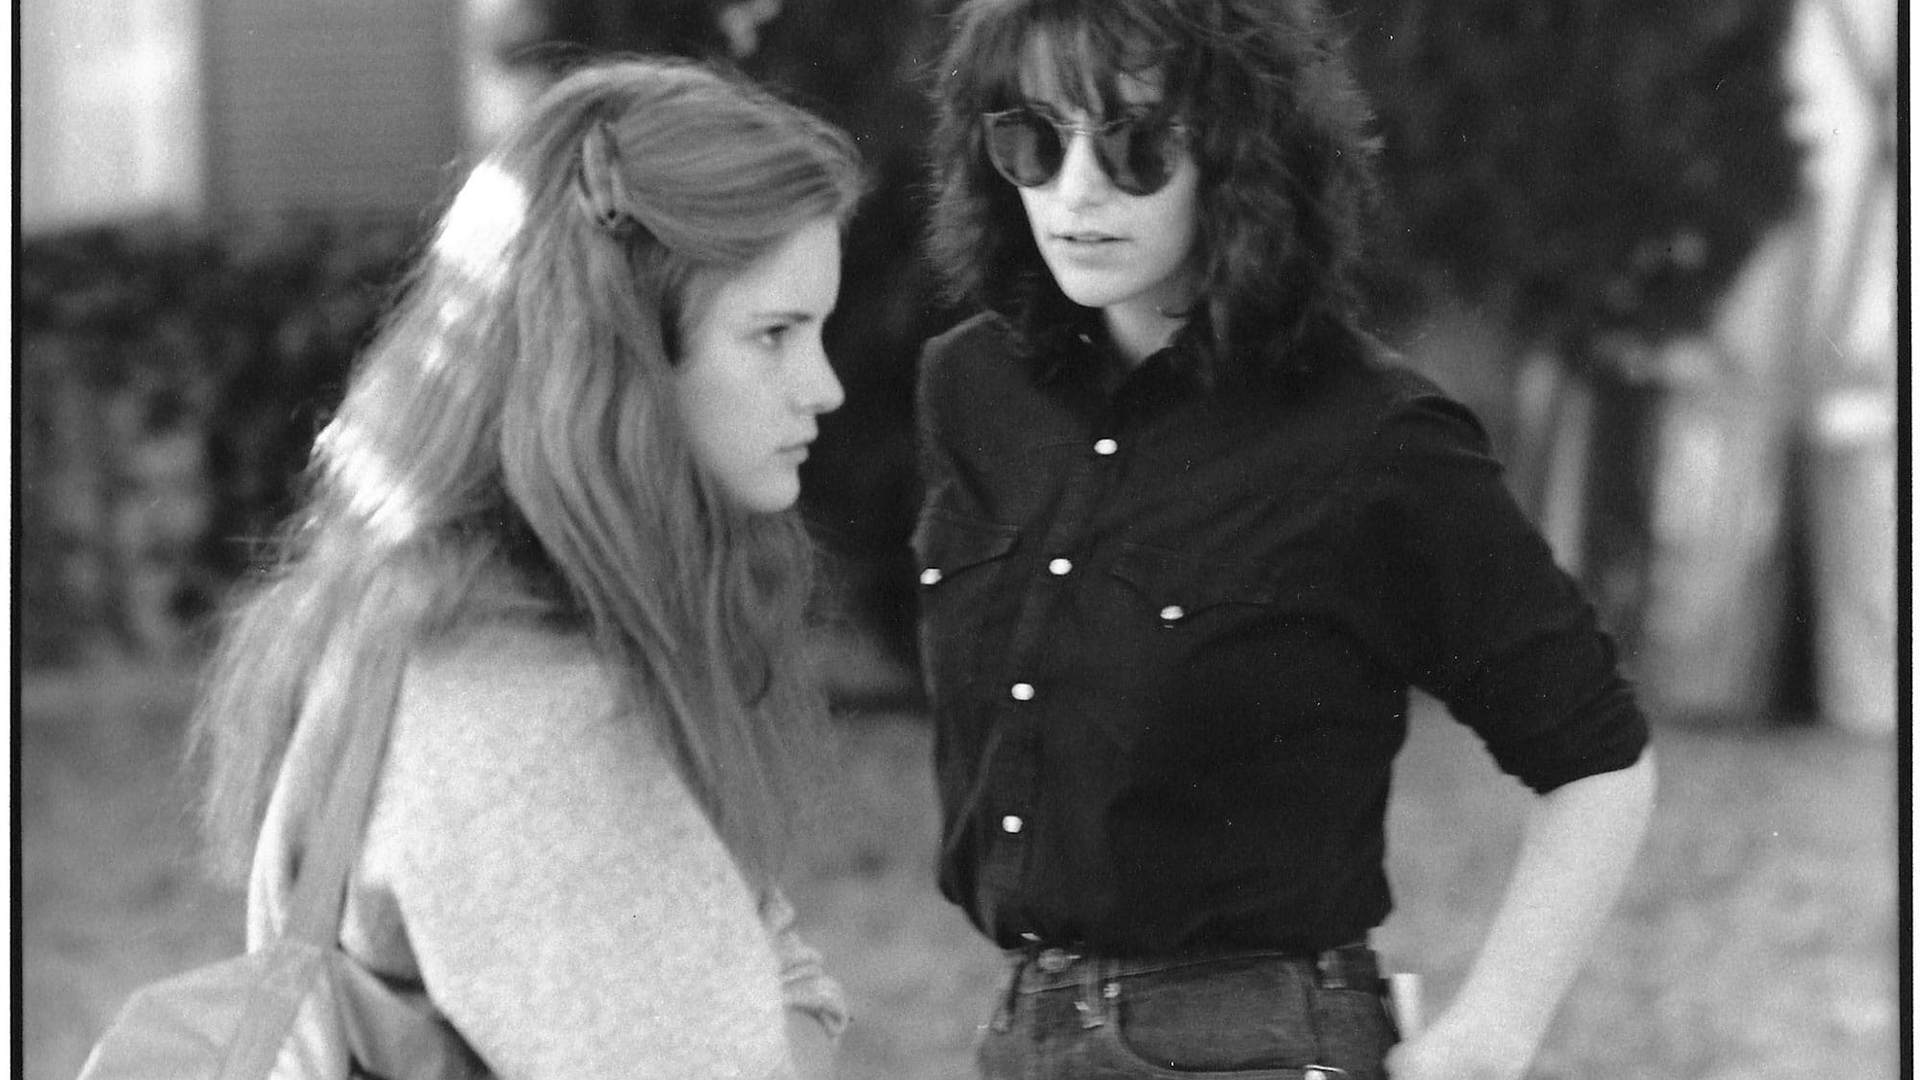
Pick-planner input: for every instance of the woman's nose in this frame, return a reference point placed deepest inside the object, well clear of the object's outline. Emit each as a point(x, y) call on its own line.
point(1081, 178)
point(818, 389)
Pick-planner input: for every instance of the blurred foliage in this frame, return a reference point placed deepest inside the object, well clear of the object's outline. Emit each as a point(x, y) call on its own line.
point(225, 346)
point(1585, 173)
point(1590, 176)
point(1592, 172)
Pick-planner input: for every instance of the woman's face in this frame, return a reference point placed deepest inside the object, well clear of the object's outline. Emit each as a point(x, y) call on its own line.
point(755, 375)
point(1105, 248)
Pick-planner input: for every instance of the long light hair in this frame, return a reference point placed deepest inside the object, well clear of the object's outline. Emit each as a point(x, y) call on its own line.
point(508, 450)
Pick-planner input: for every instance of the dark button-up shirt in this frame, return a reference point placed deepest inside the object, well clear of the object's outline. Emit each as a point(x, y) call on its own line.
point(1169, 635)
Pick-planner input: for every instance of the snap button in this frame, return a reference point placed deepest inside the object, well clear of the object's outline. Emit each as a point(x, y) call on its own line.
point(1060, 567)
point(1054, 960)
point(1173, 613)
point(1012, 823)
point(930, 576)
point(1022, 691)
point(1105, 447)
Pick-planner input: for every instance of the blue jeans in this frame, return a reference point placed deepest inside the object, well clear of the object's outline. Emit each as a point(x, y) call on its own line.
point(1245, 1016)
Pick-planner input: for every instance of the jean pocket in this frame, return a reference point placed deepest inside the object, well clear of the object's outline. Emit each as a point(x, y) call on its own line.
point(1111, 1058)
point(1246, 1017)
point(1355, 1031)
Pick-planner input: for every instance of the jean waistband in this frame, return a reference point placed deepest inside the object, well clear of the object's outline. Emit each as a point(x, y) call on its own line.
point(1039, 966)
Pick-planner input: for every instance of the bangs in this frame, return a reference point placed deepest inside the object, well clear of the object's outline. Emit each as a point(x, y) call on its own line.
point(1081, 50)
point(1280, 135)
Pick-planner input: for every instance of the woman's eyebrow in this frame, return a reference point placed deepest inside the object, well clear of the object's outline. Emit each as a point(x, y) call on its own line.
point(794, 315)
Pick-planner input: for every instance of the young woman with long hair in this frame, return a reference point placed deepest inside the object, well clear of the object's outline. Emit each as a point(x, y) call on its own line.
point(559, 491)
point(1189, 538)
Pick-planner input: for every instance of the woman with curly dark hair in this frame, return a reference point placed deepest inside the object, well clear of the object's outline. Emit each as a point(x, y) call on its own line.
point(1190, 537)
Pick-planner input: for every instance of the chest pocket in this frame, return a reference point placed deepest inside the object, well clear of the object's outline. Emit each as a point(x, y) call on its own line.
point(1179, 591)
point(1166, 657)
point(960, 561)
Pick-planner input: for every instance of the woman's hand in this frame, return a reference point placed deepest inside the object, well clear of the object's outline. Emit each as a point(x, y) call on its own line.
point(813, 1053)
point(1458, 1047)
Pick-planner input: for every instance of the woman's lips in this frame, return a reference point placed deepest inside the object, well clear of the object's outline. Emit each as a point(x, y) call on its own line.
point(1091, 248)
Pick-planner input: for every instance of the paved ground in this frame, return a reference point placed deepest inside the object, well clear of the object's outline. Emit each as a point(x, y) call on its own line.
point(1757, 939)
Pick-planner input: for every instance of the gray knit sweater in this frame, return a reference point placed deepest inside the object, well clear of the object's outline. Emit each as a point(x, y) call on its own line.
point(536, 863)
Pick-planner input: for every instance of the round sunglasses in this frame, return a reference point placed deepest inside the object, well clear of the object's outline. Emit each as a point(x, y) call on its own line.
point(1138, 153)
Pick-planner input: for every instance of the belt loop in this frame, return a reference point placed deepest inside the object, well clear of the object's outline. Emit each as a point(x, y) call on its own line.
point(1002, 1021)
point(1333, 973)
point(1092, 1003)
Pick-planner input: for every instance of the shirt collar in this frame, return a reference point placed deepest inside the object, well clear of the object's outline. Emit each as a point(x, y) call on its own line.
point(1071, 349)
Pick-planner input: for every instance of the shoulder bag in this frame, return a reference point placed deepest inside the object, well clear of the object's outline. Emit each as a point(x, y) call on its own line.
point(298, 1007)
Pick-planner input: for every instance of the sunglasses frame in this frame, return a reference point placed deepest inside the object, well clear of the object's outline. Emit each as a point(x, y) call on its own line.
point(1099, 134)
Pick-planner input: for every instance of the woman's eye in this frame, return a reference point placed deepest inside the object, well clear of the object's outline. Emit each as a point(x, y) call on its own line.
point(772, 336)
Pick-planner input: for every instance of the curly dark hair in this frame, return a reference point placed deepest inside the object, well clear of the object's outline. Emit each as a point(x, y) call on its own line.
point(1282, 139)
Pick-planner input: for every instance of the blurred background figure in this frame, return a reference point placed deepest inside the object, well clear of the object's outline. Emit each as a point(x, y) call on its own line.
point(1653, 244)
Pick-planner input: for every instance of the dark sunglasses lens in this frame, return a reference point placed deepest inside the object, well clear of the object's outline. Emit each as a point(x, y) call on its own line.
point(1024, 148)
point(1138, 156)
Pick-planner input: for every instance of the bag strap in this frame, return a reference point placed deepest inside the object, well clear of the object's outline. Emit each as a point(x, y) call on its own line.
point(320, 888)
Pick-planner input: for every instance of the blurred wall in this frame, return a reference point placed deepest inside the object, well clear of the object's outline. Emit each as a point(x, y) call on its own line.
point(110, 110)
point(348, 105)
point(1775, 505)
point(130, 108)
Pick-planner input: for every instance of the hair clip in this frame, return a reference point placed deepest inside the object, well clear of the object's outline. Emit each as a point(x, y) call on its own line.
point(599, 188)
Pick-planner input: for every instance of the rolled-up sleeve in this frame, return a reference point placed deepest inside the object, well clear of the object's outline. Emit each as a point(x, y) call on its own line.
point(1463, 592)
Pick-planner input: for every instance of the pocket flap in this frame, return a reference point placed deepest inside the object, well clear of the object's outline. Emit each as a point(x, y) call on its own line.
point(945, 543)
point(1172, 582)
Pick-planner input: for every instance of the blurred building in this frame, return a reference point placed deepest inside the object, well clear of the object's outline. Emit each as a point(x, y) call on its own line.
point(224, 107)
point(1778, 436)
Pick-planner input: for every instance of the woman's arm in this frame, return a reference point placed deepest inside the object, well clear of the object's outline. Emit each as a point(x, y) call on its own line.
point(1579, 843)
